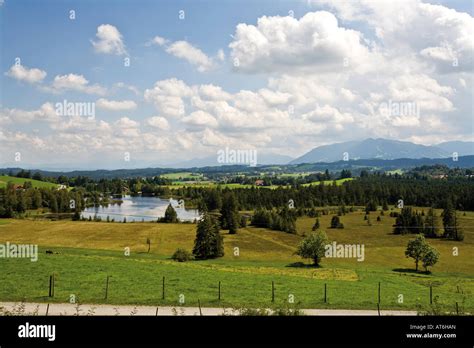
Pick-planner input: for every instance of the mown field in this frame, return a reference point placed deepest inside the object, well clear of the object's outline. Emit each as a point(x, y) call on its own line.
point(85, 253)
point(5, 179)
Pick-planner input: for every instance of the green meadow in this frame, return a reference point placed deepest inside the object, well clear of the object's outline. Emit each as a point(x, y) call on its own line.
point(5, 179)
point(85, 253)
point(210, 184)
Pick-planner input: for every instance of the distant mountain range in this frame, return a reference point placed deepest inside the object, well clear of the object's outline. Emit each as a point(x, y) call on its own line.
point(379, 154)
point(210, 161)
point(384, 149)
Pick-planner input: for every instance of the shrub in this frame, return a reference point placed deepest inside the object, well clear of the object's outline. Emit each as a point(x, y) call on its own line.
point(182, 255)
point(336, 223)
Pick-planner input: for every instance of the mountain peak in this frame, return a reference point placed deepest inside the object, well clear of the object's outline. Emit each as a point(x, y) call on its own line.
point(381, 148)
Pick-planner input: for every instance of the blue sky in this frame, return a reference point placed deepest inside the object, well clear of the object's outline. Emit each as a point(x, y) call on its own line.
point(58, 45)
point(308, 73)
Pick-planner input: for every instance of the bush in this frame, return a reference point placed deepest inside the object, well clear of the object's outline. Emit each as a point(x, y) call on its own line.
point(336, 223)
point(243, 221)
point(459, 236)
point(258, 312)
point(182, 255)
point(76, 216)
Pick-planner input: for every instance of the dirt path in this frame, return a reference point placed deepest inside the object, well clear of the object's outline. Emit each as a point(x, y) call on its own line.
point(88, 309)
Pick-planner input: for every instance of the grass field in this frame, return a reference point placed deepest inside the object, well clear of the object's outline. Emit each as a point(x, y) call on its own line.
point(5, 179)
point(329, 182)
point(181, 184)
point(86, 252)
point(181, 175)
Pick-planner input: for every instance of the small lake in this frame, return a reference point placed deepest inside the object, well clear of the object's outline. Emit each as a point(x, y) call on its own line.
point(140, 209)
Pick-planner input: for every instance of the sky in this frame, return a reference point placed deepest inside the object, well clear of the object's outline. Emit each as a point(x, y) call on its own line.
point(118, 84)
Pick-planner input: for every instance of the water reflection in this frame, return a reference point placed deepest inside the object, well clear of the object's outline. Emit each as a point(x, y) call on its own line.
point(140, 209)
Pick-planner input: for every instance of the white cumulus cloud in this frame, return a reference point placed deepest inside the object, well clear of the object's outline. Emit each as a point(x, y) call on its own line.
point(116, 105)
point(109, 40)
point(22, 73)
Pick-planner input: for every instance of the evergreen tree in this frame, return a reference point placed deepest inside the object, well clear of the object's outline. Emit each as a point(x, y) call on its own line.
point(53, 203)
point(209, 243)
point(336, 223)
point(327, 176)
point(404, 221)
point(229, 218)
point(345, 173)
point(430, 226)
point(451, 224)
point(316, 225)
point(170, 215)
point(371, 206)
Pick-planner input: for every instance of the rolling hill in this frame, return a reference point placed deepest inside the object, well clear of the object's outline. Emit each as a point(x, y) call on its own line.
point(5, 179)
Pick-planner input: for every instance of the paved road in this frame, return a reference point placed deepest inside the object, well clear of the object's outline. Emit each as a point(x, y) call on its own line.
point(88, 309)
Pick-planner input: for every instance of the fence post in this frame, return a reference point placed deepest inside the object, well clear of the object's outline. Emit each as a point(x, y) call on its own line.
point(273, 291)
point(325, 293)
point(431, 294)
point(219, 290)
point(199, 304)
point(50, 294)
point(163, 291)
point(379, 292)
point(107, 287)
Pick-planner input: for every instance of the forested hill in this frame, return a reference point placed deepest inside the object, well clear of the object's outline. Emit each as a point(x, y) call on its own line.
point(354, 165)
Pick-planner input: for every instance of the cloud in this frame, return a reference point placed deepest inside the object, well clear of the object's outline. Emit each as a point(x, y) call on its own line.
point(123, 85)
point(74, 82)
point(201, 119)
point(328, 114)
point(212, 92)
point(188, 52)
point(167, 96)
point(109, 40)
point(157, 40)
point(45, 113)
point(221, 55)
point(191, 54)
point(443, 35)
point(314, 42)
point(22, 73)
point(115, 105)
point(127, 127)
point(158, 122)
